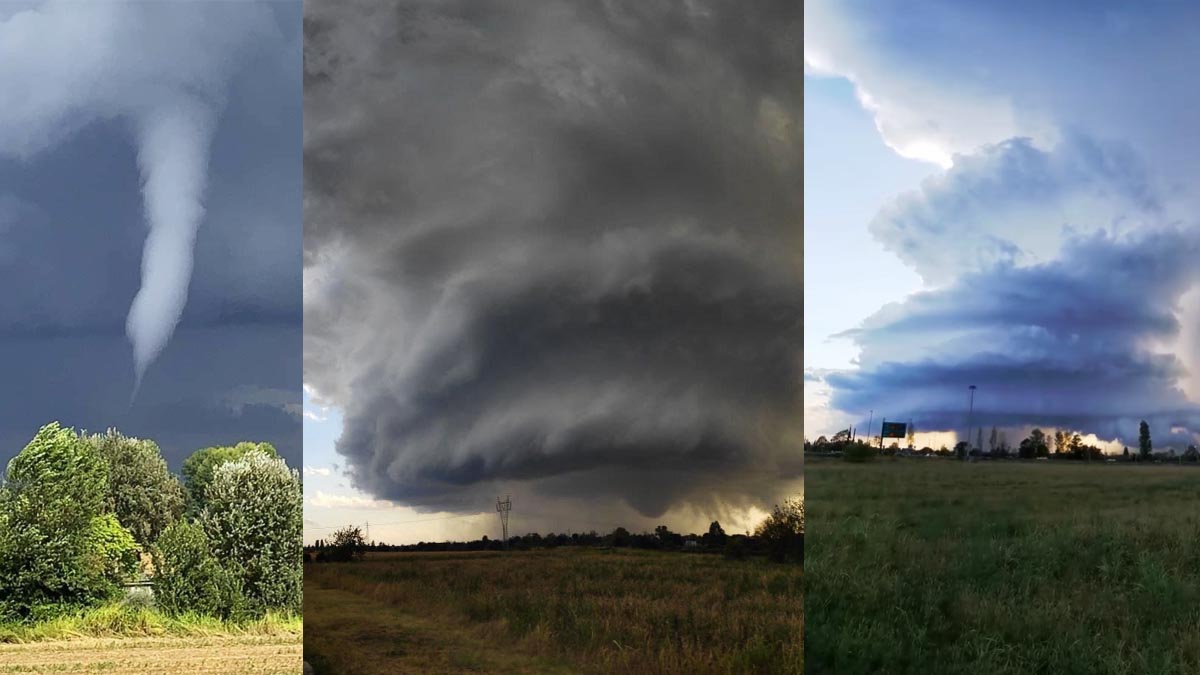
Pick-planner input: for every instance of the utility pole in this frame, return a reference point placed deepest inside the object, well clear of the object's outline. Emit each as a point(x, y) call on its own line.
point(970, 412)
point(869, 420)
point(503, 508)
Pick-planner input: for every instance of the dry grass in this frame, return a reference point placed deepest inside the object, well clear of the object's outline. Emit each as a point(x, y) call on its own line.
point(220, 655)
point(566, 610)
point(926, 566)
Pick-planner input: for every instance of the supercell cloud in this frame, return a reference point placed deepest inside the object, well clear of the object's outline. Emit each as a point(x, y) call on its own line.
point(1058, 245)
point(557, 246)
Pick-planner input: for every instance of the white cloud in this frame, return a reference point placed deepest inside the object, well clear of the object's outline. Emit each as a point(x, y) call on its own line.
point(317, 471)
point(330, 501)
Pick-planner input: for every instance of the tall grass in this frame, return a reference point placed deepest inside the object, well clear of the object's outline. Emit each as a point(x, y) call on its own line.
point(944, 567)
point(611, 611)
point(137, 620)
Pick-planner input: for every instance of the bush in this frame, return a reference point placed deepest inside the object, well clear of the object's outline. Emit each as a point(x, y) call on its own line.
point(143, 493)
point(858, 453)
point(60, 548)
point(736, 549)
point(783, 532)
point(189, 578)
point(253, 517)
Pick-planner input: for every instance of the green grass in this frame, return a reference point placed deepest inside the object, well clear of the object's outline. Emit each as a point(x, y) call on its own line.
point(565, 610)
point(928, 566)
point(136, 620)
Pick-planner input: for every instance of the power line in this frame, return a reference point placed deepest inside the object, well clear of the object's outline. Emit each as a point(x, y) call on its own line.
point(403, 522)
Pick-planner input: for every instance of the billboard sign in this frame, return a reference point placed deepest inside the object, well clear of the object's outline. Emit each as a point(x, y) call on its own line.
point(894, 429)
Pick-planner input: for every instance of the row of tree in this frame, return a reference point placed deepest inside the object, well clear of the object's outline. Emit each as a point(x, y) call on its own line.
point(1063, 444)
point(779, 537)
point(82, 514)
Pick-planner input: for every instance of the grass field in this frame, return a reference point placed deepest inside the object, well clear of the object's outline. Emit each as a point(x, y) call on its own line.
point(121, 639)
point(556, 611)
point(928, 566)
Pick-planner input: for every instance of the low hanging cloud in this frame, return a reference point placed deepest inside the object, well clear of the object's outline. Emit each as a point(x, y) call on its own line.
point(557, 246)
point(163, 69)
point(1067, 343)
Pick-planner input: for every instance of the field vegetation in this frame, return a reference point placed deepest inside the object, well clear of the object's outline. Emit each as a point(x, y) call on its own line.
point(561, 610)
point(927, 566)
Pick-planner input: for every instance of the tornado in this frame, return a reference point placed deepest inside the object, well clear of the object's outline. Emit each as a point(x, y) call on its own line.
point(173, 144)
point(165, 69)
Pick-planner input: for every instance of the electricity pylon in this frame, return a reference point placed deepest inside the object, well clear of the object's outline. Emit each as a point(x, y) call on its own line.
point(503, 507)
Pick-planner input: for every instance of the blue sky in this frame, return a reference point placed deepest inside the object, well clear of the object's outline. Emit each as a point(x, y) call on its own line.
point(178, 118)
point(1011, 186)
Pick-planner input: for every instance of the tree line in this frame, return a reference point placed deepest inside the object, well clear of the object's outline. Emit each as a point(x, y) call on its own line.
point(1064, 444)
point(780, 537)
point(82, 514)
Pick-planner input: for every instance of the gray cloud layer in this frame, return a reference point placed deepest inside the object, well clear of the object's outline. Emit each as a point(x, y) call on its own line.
point(73, 224)
point(556, 244)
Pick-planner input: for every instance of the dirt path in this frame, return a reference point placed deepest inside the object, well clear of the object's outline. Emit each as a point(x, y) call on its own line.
point(225, 655)
point(354, 635)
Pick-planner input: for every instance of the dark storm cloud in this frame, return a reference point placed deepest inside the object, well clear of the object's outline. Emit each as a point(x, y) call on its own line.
point(1067, 343)
point(72, 230)
point(557, 245)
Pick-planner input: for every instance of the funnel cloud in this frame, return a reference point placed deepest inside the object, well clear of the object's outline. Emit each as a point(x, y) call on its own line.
point(163, 69)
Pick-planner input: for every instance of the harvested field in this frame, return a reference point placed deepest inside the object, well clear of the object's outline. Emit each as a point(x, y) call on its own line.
point(223, 655)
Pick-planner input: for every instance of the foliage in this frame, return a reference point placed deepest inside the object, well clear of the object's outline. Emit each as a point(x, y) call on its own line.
point(59, 545)
point(1034, 445)
point(114, 545)
point(619, 537)
point(1145, 445)
point(253, 517)
point(190, 579)
point(198, 468)
point(858, 452)
point(348, 544)
point(145, 496)
point(783, 532)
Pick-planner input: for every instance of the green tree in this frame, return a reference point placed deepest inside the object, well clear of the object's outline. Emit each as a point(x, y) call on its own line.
point(145, 496)
point(1034, 445)
point(198, 468)
point(348, 545)
point(189, 579)
point(1145, 446)
point(619, 537)
point(715, 536)
point(60, 546)
point(783, 532)
point(993, 442)
point(253, 517)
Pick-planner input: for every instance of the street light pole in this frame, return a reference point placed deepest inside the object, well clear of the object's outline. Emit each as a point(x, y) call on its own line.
point(970, 412)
